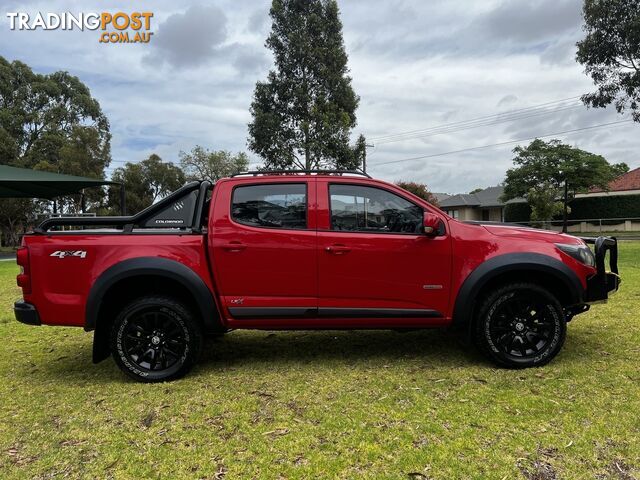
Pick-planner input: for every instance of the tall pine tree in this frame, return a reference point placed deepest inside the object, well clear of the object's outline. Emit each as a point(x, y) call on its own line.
point(304, 112)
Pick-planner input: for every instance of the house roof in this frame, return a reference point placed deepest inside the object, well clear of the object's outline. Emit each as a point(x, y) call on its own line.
point(489, 197)
point(441, 197)
point(626, 181)
point(461, 200)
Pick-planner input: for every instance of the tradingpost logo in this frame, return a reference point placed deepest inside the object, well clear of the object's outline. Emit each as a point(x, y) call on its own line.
point(119, 27)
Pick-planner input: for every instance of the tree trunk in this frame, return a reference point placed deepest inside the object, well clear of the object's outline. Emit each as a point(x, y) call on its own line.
point(364, 160)
point(307, 152)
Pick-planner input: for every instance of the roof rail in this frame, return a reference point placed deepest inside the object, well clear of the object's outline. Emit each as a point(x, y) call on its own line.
point(304, 172)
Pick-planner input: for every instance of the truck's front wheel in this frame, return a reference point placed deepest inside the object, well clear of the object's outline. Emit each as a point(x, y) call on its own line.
point(155, 339)
point(520, 325)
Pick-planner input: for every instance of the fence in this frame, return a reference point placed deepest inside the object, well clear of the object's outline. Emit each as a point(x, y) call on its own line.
point(590, 225)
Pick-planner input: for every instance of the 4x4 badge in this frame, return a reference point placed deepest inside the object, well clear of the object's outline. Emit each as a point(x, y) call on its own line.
point(69, 253)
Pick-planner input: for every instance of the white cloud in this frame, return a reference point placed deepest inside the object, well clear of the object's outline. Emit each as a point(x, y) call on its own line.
point(189, 39)
point(415, 65)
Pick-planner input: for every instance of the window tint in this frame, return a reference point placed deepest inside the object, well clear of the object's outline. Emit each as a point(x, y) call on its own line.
point(274, 206)
point(366, 209)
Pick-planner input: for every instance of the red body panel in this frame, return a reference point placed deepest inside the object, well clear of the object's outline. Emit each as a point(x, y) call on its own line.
point(60, 286)
point(273, 268)
point(265, 267)
point(381, 270)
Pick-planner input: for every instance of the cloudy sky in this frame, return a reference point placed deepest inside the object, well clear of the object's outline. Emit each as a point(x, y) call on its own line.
point(417, 66)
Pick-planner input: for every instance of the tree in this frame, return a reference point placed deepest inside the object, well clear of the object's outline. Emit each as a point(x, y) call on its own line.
point(49, 122)
point(203, 164)
point(419, 190)
point(144, 183)
point(40, 115)
point(610, 53)
point(304, 112)
point(17, 215)
point(549, 174)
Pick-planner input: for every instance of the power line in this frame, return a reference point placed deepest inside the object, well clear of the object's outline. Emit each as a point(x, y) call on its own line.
point(502, 143)
point(485, 117)
point(486, 123)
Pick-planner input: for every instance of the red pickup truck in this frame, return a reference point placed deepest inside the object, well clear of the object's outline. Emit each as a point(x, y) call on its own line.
point(310, 250)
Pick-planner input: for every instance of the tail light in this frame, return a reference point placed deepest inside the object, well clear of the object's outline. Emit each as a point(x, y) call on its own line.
point(24, 278)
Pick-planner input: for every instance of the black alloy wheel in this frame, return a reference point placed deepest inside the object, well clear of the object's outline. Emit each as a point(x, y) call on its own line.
point(521, 325)
point(155, 339)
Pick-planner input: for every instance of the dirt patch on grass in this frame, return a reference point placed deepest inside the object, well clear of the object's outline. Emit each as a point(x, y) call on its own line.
point(539, 470)
point(539, 467)
point(618, 470)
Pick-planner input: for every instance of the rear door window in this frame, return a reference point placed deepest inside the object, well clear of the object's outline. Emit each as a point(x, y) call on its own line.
point(280, 205)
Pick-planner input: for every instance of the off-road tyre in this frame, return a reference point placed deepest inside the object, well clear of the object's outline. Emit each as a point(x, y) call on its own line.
point(520, 325)
point(155, 339)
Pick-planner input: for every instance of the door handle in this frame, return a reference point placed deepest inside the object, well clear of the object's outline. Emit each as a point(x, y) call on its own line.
point(234, 246)
point(337, 249)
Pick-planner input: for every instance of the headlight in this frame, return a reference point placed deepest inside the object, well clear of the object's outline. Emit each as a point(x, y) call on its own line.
point(581, 253)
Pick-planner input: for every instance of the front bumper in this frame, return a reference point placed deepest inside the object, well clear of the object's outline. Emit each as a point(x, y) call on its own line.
point(26, 313)
point(604, 282)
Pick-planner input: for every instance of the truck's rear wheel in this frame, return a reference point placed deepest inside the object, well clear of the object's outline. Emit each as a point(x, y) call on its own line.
point(155, 339)
point(520, 325)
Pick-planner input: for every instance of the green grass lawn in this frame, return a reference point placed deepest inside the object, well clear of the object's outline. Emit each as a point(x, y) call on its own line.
point(372, 404)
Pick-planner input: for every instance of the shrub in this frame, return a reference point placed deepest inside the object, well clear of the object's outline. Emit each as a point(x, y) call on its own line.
point(618, 206)
point(517, 212)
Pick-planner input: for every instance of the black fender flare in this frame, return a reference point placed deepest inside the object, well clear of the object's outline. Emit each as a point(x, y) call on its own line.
point(205, 304)
point(511, 262)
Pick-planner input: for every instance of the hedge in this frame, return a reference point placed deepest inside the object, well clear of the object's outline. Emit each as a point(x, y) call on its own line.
point(619, 206)
point(517, 212)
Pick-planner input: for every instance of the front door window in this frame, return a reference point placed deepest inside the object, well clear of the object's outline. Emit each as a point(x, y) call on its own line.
point(357, 208)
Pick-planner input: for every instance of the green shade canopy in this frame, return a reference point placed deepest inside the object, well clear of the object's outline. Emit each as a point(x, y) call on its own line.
point(26, 183)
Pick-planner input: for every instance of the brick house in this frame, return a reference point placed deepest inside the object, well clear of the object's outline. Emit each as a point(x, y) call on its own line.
point(626, 184)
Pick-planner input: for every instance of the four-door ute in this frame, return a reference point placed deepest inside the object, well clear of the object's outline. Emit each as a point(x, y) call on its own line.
point(303, 250)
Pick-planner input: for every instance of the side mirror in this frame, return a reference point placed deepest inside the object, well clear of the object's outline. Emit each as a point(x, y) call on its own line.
point(431, 224)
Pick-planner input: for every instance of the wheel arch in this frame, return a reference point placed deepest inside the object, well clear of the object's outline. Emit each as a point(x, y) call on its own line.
point(538, 268)
point(132, 278)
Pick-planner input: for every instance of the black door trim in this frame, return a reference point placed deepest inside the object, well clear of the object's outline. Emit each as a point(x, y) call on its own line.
point(331, 312)
point(273, 312)
point(328, 312)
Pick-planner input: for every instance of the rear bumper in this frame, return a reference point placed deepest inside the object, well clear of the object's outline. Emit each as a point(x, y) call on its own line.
point(26, 313)
point(604, 282)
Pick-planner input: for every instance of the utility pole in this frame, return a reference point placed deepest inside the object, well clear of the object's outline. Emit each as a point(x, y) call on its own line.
point(364, 157)
point(564, 206)
point(123, 204)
